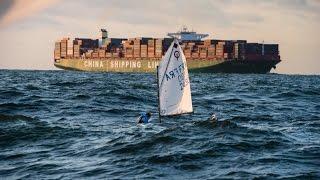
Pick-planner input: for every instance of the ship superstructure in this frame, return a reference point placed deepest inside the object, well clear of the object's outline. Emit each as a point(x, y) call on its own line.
point(185, 35)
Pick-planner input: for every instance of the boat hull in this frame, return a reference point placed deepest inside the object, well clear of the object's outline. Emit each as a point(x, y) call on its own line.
point(149, 65)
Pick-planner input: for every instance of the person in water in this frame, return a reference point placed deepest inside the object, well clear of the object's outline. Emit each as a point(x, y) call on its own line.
point(144, 118)
point(213, 118)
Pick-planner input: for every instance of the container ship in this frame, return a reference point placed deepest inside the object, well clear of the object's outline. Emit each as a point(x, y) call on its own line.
point(143, 54)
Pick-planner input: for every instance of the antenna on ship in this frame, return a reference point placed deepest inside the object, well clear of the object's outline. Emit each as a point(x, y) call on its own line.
point(184, 28)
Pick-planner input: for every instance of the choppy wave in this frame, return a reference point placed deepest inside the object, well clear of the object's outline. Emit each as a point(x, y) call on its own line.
point(68, 125)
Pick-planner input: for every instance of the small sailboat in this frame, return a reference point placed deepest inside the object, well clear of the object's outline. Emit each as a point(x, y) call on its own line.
point(174, 92)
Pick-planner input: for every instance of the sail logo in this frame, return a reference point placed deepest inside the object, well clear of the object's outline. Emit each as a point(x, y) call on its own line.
point(177, 54)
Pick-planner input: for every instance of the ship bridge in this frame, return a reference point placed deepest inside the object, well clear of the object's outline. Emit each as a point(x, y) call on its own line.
point(185, 35)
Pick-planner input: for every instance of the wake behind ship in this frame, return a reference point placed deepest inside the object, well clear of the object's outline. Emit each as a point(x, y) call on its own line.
point(143, 54)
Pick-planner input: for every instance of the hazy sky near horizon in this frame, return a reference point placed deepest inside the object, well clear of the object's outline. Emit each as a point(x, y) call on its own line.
point(29, 28)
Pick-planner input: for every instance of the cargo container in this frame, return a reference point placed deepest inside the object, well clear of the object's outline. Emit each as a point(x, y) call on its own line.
point(203, 52)
point(108, 54)
point(254, 48)
point(88, 54)
point(270, 49)
point(239, 50)
point(57, 50)
point(95, 54)
point(102, 53)
point(158, 48)
point(63, 50)
point(151, 43)
point(115, 55)
point(129, 52)
point(151, 48)
point(211, 51)
point(195, 55)
point(220, 49)
point(113, 42)
point(57, 45)
point(76, 51)
point(209, 42)
point(144, 51)
point(187, 52)
point(70, 48)
point(88, 43)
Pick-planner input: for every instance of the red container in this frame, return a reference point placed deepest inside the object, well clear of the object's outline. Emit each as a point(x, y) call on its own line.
point(195, 55)
point(144, 51)
point(108, 55)
point(151, 43)
point(102, 53)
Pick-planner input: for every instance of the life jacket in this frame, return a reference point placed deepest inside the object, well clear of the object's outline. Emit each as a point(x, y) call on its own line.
point(144, 118)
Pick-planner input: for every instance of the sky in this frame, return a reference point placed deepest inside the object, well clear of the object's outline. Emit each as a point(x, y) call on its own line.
point(29, 28)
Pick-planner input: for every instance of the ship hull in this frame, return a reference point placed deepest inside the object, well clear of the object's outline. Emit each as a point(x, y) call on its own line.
point(149, 65)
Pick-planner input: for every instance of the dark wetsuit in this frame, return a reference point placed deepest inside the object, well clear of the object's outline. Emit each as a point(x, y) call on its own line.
point(144, 118)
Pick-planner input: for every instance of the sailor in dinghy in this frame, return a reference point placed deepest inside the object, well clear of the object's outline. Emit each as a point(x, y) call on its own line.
point(144, 118)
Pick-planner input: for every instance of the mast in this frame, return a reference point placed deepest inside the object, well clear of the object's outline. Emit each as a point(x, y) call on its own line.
point(263, 47)
point(158, 94)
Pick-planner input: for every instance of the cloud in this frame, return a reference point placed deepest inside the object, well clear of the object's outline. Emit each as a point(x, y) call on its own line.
point(291, 23)
point(15, 10)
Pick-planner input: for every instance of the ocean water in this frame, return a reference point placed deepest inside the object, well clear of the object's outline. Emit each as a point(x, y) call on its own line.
point(69, 125)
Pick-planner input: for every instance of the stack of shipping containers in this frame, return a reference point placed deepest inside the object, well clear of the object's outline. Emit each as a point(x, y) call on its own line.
point(220, 50)
point(239, 50)
point(116, 52)
point(144, 50)
point(151, 48)
point(63, 47)
point(108, 54)
point(253, 51)
point(69, 48)
point(211, 51)
point(57, 50)
point(271, 51)
point(103, 48)
point(203, 51)
point(128, 48)
point(95, 54)
point(166, 44)
point(88, 54)
point(195, 52)
point(102, 53)
point(155, 48)
point(228, 49)
point(187, 50)
point(136, 48)
point(158, 49)
point(77, 48)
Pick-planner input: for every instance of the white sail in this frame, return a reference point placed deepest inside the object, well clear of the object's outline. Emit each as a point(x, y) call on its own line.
point(173, 83)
